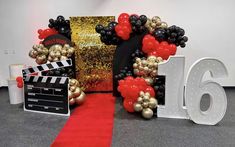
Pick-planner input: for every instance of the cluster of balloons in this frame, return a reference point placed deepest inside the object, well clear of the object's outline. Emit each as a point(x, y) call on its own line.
point(56, 52)
point(61, 25)
point(108, 34)
point(19, 81)
point(145, 104)
point(159, 87)
point(152, 47)
point(123, 28)
point(124, 73)
point(130, 88)
point(138, 23)
point(147, 68)
point(42, 34)
point(75, 94)
point(173, 34)
point(155, 23)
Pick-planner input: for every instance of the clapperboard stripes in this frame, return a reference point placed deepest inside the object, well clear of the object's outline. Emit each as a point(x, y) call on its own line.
point(46, 94)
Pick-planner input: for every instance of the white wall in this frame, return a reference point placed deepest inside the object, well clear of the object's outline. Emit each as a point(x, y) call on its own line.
point(208, 24)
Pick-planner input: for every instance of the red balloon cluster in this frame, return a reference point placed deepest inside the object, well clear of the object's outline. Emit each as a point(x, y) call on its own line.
point(130, 88)
point(152, 47)
point(123, 28)
point(42, 34)
point(19, 81)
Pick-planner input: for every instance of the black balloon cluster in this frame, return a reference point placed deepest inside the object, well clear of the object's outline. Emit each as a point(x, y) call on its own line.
point(138, 53)
point(159, 88)
point(126, 71)
point(138, 23)
point(108, 34)
point(173, 34)
point(64, 72)
point(61, 25)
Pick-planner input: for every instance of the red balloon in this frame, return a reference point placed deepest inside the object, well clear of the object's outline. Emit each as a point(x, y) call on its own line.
point(172, 48)
point(118, 28)
point(150, 90)
point(122, 17)
point(40, 31)
point(154, 53)
point(128, 105)
point(19, 79)
point(20, 84)
point(163, 52)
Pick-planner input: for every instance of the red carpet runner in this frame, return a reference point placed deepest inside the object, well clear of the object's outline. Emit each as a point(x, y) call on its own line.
point(90, 125)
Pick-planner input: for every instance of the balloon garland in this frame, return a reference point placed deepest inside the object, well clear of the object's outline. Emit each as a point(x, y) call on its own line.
point(138, 86)
point(57, 52)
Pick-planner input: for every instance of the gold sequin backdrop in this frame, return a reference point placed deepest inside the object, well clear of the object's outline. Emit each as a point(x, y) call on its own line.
point(93, 58)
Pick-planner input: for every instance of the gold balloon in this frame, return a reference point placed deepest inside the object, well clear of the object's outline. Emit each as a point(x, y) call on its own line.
point(57, 47)
point(139, 100)
point(149, 80)
point(63, 52)
point(80, 99)
point(152, 103)
point(141, 93)
point(147, 94)
point(31, 54)
point(72, 88)
point(70, 51)
point(77, 92)
point(41, 59)
point(145, 104)
point(41, 45)
point(159, 59)
point(154, 73)
point(147, 113)
point(135, 65)
point(56, 59)
point(70, 94)
point(49, 58)
point(45, 51)
point(52, 54)
point(136, 71)
point(138, 107)
point(72, 101)
point(163, 25)
point(63, 58)
point(156, 19)
point(57, 54)
point(152, 59)
point(73, 82)
point(153, 25)
point(66, 46)
point(69, 55)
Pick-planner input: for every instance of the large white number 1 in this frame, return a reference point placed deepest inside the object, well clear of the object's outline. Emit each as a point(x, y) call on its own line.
point(196, 88)
point(173, 69)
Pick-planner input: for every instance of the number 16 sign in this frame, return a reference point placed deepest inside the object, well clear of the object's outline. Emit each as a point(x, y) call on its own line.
point(195, 88)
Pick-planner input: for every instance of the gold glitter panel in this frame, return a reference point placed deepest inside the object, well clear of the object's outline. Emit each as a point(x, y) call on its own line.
point(93, 58)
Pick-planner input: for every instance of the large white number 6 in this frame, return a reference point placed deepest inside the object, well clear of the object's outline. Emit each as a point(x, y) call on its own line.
point(196, 88)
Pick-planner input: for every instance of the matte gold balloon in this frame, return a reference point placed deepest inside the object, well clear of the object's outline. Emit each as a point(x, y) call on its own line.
point(52, 54)
point(138, 107)
point(72, 88)
point(152, 103)
point(70, 51)
point(147, 113)
point(57, 54)
point(72, 101)
point(55, 59)
point(80, 99)
point(153, 25)
point(45, 51)
point(41, 59)
point(57, 47)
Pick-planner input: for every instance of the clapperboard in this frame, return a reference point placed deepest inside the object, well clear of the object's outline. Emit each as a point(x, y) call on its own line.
point(46, 94)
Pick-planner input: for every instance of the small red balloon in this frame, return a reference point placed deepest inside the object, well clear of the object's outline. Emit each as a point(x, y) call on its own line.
point(150, 90)
point(128, 105)
point(20, 84)
point(122, 17)
point(19, 79)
